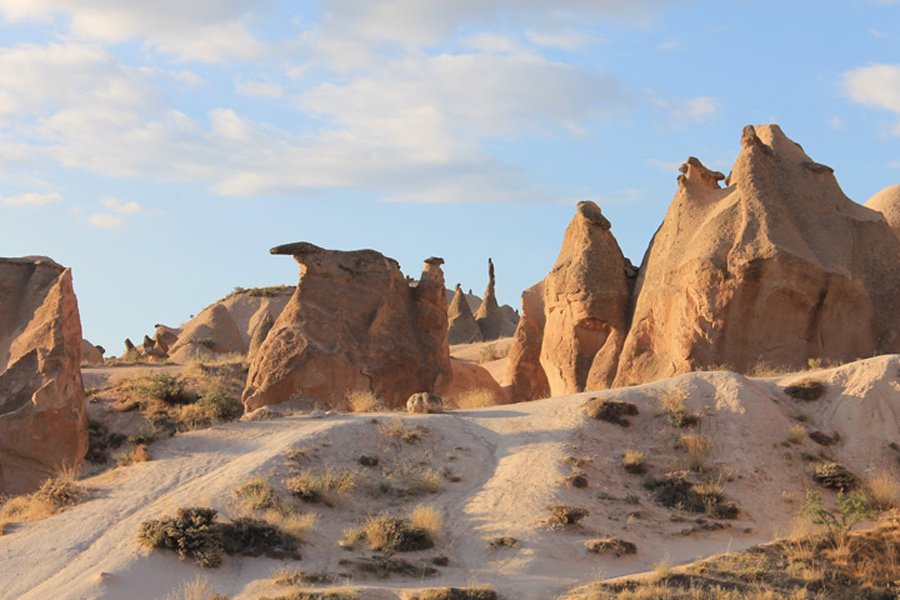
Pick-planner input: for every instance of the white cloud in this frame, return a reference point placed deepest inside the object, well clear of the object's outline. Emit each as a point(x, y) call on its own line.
point(836, 123)
point(570, 40)
point(205, 30)
point(105, 221)
point(32, 199)
point(129, 208)
point(665, 165)
point(695, 110)
point(259, 89)
point(877, 86)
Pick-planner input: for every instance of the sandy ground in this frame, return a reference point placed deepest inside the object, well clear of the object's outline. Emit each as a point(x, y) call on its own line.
point(511, 461)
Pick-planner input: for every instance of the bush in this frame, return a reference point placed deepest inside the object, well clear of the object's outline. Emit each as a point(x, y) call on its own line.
point(634, 462)
point(53, 496)
point(221, 407)
point(835, 476)
point(166, 389)
point(806, 390)
point(849, 510)
point(615, 545)
point(363, 401)
point(314, 487)
point(563, 514)
point(698, 447)
point(611, 411)
point(476, 398)
point(480, 592)
point(393, 534)
point(673, 406)
point(674, 490)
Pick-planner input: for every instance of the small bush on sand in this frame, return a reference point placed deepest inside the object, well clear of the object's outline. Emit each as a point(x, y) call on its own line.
point(673, 406)
point(614, 545)
point(490, 353)
point(221, 406)
point(698, 447)
point(363, 401)
point(796, 434)
point(397, 429)
point(137, 454)
point(196, 589)
point(481, 592)
point(54, 496)
point(674, 490)
point(885, 491)
point(634, 462)
point(392, 534)
point(259, 495)
point(166, 388)
point(427, 518)
point(316, 487)
point(413, 479)
point(476, 398)
point(848, 511)
point(562, 514)
point(806, 390)
point(835, 476)
point(611, 411)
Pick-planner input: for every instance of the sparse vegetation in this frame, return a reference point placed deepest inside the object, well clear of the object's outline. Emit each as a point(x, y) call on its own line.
point(675, 490)
point(54, 496)
point(806, 390)
point(491, 352)
point(673, 406)
point(634, 462)
point(320, 487)
point(885, 491)
point(698, 447)
point(427, 518)
point(167, 389)
point(137, 454)
point(341, 594)
point(391, 534)
point(385, 565)
point(196, 589)
point(563, 514)
point(835, 476)
point(849, 510)
point(481, 592)
point(796, 434)
point(611, 411)
point(475, 398)
point(397, 429)
point(363, 401)
point(614, 545)
point(504, 542)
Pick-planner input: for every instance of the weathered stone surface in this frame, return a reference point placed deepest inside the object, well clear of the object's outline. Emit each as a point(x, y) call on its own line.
point(90, 354)
point(491, 319)
point(574, 323)
point(249, 307)
point(43, 427)
point(424, 402)
point(463, 329)
point(263, 327)
point(354, 322)
point(210, 334)
point(777, 267)
point(887, 202)
point(469, 377)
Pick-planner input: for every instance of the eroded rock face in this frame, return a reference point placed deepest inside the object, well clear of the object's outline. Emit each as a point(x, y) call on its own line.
point(90, 354)
point(43, 424)
point(463, 329)
point(573, 323)
point(353, 323)
point(777, 267)
point(210, 334)
point(492, 320)
point(887, 202)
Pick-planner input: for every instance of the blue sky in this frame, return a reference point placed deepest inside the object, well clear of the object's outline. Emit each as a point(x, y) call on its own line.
point(161, 148)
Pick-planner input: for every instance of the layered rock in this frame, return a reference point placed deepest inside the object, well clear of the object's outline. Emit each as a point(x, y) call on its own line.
point(353, 323)
point(463, 328)
point(212, 333)
point(887, 202)
point(777, 267)
point(43, 427)
point(573, 323)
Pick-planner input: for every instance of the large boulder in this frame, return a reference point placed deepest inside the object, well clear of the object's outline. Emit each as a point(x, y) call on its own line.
point(211, 334)
point(43, 423)
point(887, 202)
point(91, 355)
point(573, 323)
point(777, 267)
point(354, 323)
point(462, 328)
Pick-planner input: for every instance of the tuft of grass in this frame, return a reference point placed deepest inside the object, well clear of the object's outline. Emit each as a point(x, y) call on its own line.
point(885, 491)
point(806, 390)
point(397, 429)
point(564, 514)
point(476, 398)
point(391, 534)
point(675, 490)
point(490, 353)
point(672, 403)
point(796, 434)
point(616, 546)
point(54, 496)
point(427, 518)
point(481, 592)
point(363, 401)
point(698, 448)
point(317, 487)
point(166, 388)
point(259, 495)
point(611, 411)
point(196, 589)
point(634, 462)
point(137, 454)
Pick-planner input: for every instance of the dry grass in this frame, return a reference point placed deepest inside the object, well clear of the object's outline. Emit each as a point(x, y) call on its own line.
point(476, 398)
point(257, 497)
point(563, 514)
point(491, 352)
point(360, 401)
point(54, 496)
point(427, 518)
point(767, 369)
point(634, 462)
point(413, 478)
point(397, 429)
point(480, 592)
point(390, 534)
point(795, 434)
point(698, 448)
point(672, 403)
point(310, 486)
point(137, 454)
point(196, 589)
point(885, 491)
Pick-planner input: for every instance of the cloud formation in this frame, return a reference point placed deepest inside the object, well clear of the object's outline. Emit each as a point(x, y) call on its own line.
point(32, 199)
point(877, 86)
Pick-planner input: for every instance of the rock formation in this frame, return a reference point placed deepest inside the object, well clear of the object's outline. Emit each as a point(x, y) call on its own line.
point(90, 354)
point(210, 334)
point(249, 307)
point(263, 327)
point(425, 403)
point(573, 323)
point(354, 322)
point(491, 319)
point(887, 202)
point(463, 328)
point(777, 267)
point(43, 427)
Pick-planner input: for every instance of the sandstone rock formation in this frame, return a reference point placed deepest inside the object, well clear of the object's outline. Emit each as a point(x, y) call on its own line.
point(467, 378)
point(210, 334)
point(90, 354)
point(249, 307)
point(463, 328)
point(43, 427)
point(887, 202)
point(493, 321)
point(424, 402)
point(354, 322)
point(263, 327)
point(778, 267)
point(573, 323)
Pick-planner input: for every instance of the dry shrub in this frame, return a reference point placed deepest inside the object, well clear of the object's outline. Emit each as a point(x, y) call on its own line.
point(392, 534)
point(673, 406)
point(481, 592)
point(885, 491)
point(576, 480)
point(490, 353)
point(698, 448)
point(476, 398)
point(634, 462)
point(317, 487)
point(396, 429)
point(54, 496)
point(610, 410)
point(806, 390)
point(288, 576)
point(259, 495)
point(363, 401)
point(766, 369)
point(617, 546)
point(796, 434)
point(384, 566)
point(427, 518)
point(675, 490)
point(137, 454)
point(196, 589)
point(835, 476)
point(563, 514)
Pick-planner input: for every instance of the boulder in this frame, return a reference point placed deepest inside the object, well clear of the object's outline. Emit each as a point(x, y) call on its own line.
point(209, 335)
point(43, 423)
point(573, 323)
point(424, 402)
point(90, 354)
point(778, 267)
point(462, 329)
point(353, 323)
point(887, 202)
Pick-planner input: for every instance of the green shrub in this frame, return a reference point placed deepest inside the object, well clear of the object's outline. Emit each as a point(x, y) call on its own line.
point(850, 509)
point(221, 406)
point(167, 389)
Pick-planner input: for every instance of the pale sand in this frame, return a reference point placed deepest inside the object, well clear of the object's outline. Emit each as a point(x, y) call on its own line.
point(511, 462)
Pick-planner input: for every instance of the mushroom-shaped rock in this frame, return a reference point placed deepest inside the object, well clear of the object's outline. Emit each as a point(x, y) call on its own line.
point(489, 317)
point(424, 402)
point(43, 424)
point(778, 267)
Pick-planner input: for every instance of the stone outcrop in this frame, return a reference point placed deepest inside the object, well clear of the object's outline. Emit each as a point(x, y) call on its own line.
point(463, 329)
point(212, 333)
point(573, 323)
point(263, 327)
point(249, 307)
point(493, 321)
point(43, 427)
point(353, 323)
point(887, 202)
point(90, 354)
point(777, 267)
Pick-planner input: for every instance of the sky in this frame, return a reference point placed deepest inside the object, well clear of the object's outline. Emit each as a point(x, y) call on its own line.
point(159, 149)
